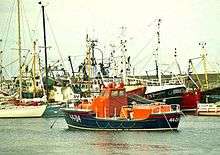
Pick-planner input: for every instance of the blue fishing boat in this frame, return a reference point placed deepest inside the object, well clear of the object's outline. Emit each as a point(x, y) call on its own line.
point(86, 119)
point(111, 111)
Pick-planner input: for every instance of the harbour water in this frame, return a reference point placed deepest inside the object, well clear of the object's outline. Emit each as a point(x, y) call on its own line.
point(196, 135)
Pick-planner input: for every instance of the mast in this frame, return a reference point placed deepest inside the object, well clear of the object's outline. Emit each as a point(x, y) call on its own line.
point(88, 58)
point(123, 52)
point(19, 50)
point(87, 64)
point(93, 52)
point(178, 65)
point(1, 72)
point(34, 69)
point(156, 51)
point(203, 55)
point(92, 63)
point(45, 47)
point(124, 68)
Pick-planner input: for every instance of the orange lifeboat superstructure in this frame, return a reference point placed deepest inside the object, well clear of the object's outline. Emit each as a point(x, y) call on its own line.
point(113, 102)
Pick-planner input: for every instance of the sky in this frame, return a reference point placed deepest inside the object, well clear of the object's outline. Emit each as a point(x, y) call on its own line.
point(184, 24)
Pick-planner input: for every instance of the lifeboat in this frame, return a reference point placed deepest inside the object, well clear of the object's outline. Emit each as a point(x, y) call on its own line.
point(111, 111)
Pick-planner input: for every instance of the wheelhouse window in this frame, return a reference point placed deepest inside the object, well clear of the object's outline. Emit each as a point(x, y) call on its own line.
point(114, 93)
point(104, 93)
point(121, 93)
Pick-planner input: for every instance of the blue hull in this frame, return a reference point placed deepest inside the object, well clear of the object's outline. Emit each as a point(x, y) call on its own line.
point(86, 120)
point(53, 111)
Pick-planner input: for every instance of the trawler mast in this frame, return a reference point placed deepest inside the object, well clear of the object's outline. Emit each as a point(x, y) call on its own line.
point(203, 56)
point(158, 76)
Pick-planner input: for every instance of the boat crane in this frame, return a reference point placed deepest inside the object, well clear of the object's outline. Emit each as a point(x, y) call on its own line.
point(191, 66)
point(71, 65)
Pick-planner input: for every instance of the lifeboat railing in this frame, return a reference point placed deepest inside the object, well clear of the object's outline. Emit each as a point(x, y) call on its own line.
point(174, 108)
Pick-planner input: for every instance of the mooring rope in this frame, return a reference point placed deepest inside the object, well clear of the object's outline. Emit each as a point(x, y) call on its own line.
point(167, 121)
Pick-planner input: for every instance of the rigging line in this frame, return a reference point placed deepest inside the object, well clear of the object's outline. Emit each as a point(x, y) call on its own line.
point(167, 122)
point(169, 67)
point(6, 72)
point(26, 20)
point(82, 55)
point(142, 60)
point(210, 67)
point(22, 25)
point(26, 57)
point(5, 24)
point(146, 45)
point(36, 25)
point(58, 49)
point(9, 24)
point(28, 63)
point(143, 67)
point(200, 63)
point(11, 63)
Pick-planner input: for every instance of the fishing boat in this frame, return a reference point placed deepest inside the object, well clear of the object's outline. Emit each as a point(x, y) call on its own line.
point(175, 94)
point(57, 91)
point(168, 88)
point(59, 97)
point(110, 111)
point(208, 80)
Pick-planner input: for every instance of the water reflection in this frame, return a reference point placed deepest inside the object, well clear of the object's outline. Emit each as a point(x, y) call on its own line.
point(125, 146)
point(126, 143)
point(196, 135)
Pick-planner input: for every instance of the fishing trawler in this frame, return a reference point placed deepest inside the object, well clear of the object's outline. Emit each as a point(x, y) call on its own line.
point(168, 88)
point(208, 80)
point(110, 111)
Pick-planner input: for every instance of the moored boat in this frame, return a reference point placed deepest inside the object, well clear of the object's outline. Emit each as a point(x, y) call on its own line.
point(53, 110)
point(190, 100)
point(110, 111)
point(21, 111)
point(209, 109)
point(175, 94)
